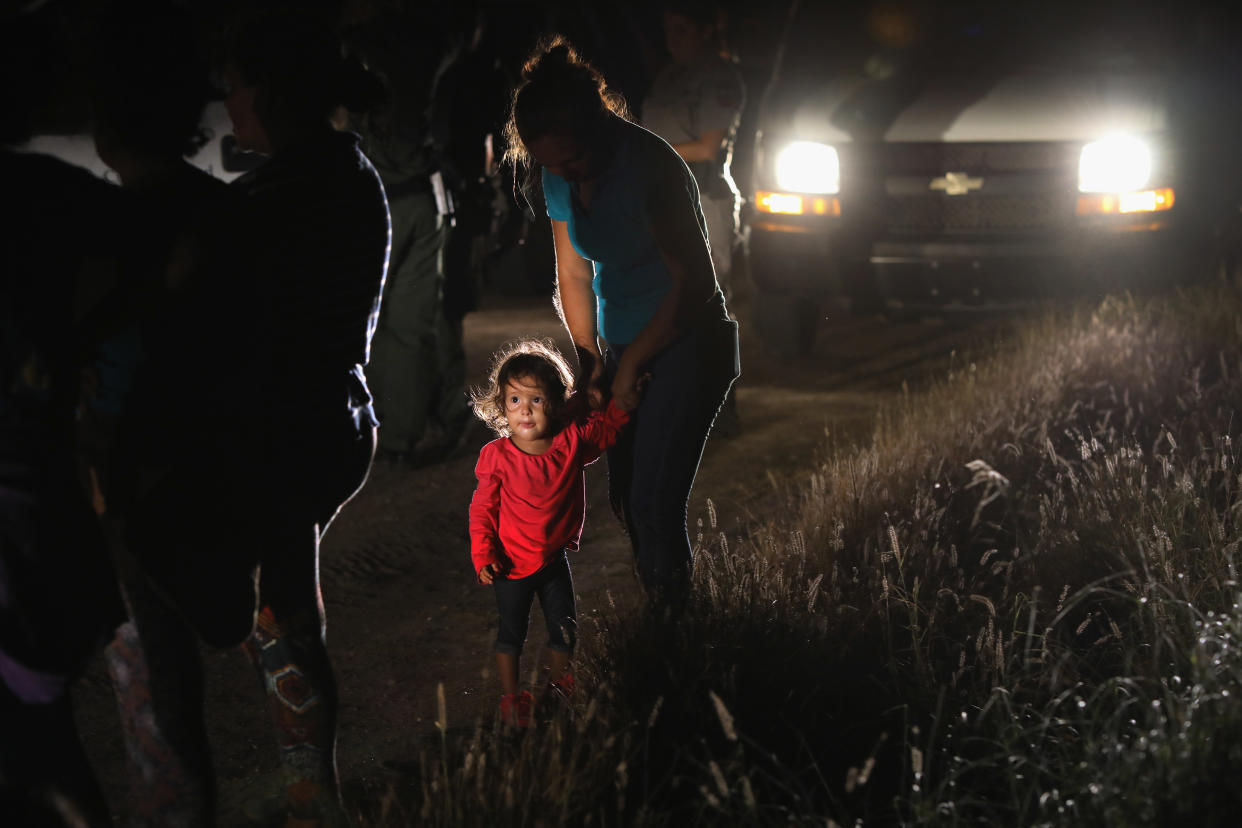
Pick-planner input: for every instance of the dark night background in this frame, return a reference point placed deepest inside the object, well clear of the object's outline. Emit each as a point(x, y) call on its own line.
point(882, 665)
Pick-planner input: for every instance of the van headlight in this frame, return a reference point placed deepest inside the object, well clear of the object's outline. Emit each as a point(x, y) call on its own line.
point(1114, 165)
point(808, 167)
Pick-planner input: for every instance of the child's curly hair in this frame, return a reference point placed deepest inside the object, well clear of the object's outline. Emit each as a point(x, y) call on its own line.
point(537, 359)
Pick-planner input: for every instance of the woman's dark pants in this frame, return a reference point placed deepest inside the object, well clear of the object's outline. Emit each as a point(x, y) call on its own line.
point(652, 467)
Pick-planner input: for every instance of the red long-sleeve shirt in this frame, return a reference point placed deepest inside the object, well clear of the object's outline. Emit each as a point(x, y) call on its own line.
point(528, 507)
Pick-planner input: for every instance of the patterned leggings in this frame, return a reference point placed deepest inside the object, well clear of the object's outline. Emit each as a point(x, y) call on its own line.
point(171, 775)
point(302, 703)
point(155, 660)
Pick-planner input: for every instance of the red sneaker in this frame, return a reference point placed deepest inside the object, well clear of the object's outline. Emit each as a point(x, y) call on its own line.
point(516, 709)
point(525, 709)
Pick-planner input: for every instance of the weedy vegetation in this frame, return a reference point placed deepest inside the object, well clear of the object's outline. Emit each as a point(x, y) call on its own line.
point(1017, 605)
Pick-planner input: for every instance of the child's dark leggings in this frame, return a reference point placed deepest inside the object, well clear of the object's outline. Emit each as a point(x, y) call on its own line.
point(555, 589)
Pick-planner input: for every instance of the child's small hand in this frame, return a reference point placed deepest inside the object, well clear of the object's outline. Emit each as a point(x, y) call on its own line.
point(489, 573)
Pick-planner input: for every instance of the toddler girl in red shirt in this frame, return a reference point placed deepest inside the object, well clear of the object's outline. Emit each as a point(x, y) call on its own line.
point(527, 511)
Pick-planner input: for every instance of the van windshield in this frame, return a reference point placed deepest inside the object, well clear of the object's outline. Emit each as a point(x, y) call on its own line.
point(825, 41)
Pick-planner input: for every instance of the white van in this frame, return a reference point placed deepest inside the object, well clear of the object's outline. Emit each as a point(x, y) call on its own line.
point(998, 156)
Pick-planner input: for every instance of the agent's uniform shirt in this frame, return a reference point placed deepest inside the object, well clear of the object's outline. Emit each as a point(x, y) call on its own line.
point(527, 508)
point(686, 101)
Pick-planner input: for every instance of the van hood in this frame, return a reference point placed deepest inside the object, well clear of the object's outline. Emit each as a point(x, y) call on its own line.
point(1030, 106)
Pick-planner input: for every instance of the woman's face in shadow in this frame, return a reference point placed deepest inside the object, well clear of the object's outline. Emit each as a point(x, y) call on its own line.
point(563, 153)
point(572, 154)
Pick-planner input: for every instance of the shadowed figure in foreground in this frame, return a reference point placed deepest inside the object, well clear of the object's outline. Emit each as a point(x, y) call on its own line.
point(58, 598)
point(318, 251)
point(158, 404)
point(311, 244)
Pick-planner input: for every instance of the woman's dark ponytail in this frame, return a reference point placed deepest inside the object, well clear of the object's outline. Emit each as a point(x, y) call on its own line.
point(556, 62)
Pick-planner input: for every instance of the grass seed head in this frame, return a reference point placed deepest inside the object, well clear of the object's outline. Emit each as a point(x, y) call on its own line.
point(725, 717)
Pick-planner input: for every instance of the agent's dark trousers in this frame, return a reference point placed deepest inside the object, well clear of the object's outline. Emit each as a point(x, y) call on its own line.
point(651, 469)
point(402, 372)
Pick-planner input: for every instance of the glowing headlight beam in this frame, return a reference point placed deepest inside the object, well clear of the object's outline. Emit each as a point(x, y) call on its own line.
point(808, 167)
point(1114, 165)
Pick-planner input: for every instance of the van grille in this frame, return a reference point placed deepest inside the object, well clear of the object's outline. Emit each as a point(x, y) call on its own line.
point(976, 212)
point(1035, 198)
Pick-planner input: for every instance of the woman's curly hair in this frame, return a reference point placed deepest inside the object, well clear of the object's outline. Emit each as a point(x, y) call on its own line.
point(559, 90)
point(537, 359)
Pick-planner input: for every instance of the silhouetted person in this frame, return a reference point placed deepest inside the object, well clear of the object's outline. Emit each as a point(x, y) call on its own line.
point(57, 590)
point(314, 254)
point(158, 404)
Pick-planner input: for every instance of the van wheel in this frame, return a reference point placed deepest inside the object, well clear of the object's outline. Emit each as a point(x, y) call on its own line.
point(864, 291)
point(786, 323)
point(1226, 266)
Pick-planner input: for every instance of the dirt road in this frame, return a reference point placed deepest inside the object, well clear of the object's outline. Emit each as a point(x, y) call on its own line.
point(404, 612)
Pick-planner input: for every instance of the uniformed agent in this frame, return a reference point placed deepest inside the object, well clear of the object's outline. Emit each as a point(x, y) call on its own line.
point(695, 103)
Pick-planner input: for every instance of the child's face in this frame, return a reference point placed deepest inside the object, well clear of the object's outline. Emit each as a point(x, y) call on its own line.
point(526, 410)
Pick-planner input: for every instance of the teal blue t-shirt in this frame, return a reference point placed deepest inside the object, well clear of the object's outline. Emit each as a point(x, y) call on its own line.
point(615, 233)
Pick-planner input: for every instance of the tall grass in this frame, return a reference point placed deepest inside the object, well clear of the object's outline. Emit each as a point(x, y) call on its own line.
point(1016, 605)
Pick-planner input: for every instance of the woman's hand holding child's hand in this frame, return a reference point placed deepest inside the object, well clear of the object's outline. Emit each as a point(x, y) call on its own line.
point(627, 390)
point(489, 573)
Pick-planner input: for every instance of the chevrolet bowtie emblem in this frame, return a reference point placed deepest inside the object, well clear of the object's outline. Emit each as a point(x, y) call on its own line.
point(956, 183)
